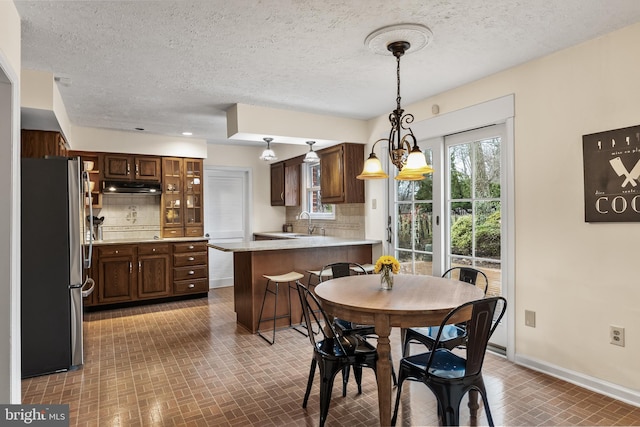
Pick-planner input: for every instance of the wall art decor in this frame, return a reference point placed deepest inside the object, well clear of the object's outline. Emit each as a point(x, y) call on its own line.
point(612, 175)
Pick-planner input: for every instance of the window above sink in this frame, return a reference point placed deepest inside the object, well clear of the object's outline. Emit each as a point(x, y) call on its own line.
point(312, 196)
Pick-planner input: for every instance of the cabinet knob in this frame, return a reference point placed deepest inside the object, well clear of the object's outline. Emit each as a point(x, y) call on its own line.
point(117, 252)
point(191, 258)
point(154, 249)
point(191, 273)
point(191, 286)
point(190, 246)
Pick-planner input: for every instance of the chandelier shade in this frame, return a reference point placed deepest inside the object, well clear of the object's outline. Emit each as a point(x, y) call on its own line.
point(311, 156)
point(268, 154)
point(373, 167)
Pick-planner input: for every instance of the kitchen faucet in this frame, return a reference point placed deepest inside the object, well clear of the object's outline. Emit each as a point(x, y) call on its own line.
point(310, 228)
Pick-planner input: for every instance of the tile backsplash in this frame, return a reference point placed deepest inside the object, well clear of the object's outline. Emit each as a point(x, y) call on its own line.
point(349, 222)
point(129, 216)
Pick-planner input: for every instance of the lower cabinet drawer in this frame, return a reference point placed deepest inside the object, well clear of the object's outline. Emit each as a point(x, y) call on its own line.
point(108, 250)
point(190, 273)
point(199, 246)
point(173, 232)
point(194, 231)
point(198, 258)
point(191, 286)
point(153, 249)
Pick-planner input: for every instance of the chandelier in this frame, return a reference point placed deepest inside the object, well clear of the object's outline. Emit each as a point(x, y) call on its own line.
point(403, 145)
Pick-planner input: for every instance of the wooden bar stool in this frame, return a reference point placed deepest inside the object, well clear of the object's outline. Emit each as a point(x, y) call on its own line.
point(288, 278)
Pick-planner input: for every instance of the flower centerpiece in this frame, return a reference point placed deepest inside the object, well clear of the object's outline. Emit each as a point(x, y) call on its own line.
point(387, 266)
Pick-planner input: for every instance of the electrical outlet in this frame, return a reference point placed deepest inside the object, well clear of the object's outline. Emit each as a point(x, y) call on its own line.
point(616, 334)
point(530, 318)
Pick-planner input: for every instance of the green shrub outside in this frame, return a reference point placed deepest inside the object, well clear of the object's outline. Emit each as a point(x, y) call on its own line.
point(487, 237)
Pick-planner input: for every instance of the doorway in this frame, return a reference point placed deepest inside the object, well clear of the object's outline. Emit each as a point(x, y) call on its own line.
point(227, 213)
point(10, 359)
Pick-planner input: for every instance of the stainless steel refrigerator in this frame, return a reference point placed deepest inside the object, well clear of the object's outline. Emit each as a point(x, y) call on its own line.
point(55, 259)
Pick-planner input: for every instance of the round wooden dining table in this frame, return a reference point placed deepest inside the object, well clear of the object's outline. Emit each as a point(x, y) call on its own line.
point(415, 300)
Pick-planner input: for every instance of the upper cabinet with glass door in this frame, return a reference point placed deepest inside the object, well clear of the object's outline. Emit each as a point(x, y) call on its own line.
point(172, 193)
point(194, 225)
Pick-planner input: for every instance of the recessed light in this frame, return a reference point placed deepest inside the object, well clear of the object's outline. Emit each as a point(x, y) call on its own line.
point(187, 133)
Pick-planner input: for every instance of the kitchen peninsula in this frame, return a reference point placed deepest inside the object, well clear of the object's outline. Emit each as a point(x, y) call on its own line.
point(286, 252)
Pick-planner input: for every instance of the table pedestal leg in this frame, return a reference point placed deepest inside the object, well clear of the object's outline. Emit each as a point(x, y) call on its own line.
point(383, 369)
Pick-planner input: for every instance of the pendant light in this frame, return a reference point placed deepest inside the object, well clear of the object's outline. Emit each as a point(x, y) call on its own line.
point(403, 145)
point(311, 156)
point(268, 154)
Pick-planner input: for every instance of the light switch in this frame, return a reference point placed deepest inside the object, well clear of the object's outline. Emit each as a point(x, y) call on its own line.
point(374, 203)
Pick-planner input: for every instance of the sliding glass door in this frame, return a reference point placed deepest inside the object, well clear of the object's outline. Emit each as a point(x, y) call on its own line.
point(417, 219)
point(474, 203)
point(454, 216)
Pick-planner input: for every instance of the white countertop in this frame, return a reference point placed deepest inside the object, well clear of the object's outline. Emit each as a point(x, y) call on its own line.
point(288, 241)
point(151, 240)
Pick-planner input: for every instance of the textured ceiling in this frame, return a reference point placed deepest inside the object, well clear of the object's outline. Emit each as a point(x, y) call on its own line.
point(170, 66)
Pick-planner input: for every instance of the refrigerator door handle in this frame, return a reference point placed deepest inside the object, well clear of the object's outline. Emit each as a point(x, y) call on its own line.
point(87, 193)
point(87, 292)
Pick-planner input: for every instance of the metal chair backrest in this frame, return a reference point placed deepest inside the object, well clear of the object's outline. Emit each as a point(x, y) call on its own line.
point(480, 327)
point(323, 324)
point(342, 269)
point(469, 275)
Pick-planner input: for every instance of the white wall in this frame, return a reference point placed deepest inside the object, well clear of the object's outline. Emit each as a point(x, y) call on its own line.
point(265, 217)
point(112, 141)
point(9, 212)
point(579, 278)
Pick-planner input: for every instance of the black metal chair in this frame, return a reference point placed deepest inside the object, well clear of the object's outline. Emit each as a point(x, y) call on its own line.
point(346, 327)
point(333, 353)
point(327, 272)
point(448, 375)
point(344, 269)
point(452, 335)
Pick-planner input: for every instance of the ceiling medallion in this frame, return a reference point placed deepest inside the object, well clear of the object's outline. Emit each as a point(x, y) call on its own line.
point(418, 36)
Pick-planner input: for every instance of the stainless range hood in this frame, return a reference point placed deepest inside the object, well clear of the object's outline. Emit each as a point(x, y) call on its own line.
point(137, 187)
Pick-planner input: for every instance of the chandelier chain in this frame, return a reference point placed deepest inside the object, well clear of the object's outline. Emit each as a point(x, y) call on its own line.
point(398, 78)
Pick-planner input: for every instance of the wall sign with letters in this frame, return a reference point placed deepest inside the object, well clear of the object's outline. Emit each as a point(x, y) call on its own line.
point(612, 175)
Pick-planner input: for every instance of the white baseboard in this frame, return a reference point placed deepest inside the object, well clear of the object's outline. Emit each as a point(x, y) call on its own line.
point(632, 397)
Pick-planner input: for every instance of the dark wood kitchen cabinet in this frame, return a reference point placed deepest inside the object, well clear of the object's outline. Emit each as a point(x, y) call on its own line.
point(41, 143)
point(124, 167)
point(154, 271)
point(182, 208)
point(116, 274)
point(277, 184)
point(285, 183)
point(190, 268)
point(148, 271)
point(94, 160)
point(339, 166)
